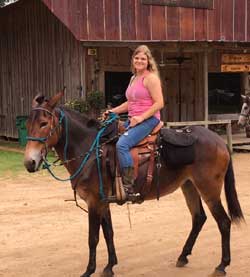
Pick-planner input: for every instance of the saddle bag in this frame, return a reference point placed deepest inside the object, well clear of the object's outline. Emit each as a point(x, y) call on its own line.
point(177, 146)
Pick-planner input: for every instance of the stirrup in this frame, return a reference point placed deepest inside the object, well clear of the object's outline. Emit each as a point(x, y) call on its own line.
point(134, 198)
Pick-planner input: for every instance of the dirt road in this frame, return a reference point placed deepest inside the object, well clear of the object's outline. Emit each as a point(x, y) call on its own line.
point(42, 235)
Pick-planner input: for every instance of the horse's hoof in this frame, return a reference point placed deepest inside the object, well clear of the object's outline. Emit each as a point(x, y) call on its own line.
point(107, 274)
point(218, 273)
point(86, 274)
point(181, 262)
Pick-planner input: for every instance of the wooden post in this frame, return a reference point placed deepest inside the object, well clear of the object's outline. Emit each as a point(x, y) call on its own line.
point(205, 88)
point(229, 138)
point(83, 71)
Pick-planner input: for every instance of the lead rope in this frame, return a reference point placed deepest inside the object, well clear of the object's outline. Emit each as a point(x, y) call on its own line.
point(95, 145)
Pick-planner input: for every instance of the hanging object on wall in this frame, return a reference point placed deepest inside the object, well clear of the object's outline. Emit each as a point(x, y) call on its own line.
point(92, 52)
point(162, 63)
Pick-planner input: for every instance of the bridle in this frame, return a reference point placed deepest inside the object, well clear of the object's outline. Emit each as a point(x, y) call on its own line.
point(247, 116)
point(94, 148)
point(52, 129)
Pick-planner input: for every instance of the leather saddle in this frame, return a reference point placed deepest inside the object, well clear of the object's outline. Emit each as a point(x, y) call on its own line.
point(143, 155)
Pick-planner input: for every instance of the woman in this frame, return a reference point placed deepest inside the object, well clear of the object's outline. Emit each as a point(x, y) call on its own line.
point(144, 102)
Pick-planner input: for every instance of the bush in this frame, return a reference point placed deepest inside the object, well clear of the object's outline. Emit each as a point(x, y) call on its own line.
point(92, 106)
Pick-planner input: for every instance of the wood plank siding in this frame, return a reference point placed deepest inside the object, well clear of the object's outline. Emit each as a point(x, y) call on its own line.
point(130, 20)
point(48, 44)
point(38, 54)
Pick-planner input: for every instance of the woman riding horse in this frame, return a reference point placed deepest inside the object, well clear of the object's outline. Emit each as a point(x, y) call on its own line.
point(72, 136)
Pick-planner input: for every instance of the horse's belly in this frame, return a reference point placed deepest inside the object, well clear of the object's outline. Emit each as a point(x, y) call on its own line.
point(168, 181)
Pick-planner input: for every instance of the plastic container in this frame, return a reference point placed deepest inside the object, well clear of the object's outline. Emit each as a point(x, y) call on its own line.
point(22, 131)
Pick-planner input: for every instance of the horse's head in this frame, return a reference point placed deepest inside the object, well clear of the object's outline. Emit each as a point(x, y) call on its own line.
point(245, 110)
point(43, 130)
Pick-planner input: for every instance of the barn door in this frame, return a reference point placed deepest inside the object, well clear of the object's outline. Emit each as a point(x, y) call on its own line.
point(179, 92)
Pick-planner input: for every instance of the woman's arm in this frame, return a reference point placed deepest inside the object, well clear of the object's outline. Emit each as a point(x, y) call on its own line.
point(153, 84)
point(123, 108)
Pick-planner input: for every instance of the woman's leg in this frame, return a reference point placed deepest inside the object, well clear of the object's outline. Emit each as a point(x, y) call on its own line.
point(129, 139)
point(132, 137)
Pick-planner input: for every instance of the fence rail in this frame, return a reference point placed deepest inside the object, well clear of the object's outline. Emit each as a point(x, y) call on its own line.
point(226, 122)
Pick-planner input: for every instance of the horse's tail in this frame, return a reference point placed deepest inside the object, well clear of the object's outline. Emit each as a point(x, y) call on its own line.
point(233, 203)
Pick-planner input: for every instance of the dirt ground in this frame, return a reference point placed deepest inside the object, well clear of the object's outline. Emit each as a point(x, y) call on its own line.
point(41, 234)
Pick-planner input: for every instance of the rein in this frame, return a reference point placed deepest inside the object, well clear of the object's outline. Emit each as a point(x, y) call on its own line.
point(244, 115)
point(95, 146)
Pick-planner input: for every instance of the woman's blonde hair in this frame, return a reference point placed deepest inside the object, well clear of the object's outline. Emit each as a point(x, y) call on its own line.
point(152, 67)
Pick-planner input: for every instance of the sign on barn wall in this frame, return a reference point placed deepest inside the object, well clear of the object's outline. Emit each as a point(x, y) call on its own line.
point(235, 68)
point(199, 4)
point(235, 63)
point(235, 58)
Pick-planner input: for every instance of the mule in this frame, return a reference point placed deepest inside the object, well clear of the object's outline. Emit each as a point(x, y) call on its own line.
point(245, 111)
point(203, 179)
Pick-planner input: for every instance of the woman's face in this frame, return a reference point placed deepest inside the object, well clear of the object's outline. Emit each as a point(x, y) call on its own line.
point(140, 62)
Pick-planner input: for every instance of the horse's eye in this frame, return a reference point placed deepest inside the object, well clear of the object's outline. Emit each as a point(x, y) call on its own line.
point(43, 124)
point(245, 108)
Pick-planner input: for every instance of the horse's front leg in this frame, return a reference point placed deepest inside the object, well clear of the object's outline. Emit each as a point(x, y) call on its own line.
point(94, 228)
point(108, 235)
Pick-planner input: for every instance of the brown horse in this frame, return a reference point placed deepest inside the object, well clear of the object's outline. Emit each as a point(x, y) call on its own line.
point(203, 179)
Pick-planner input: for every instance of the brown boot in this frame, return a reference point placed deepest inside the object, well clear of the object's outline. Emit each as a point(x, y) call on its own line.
point(128, 184)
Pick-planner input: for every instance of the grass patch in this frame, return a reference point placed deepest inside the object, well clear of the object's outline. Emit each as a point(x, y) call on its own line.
point(11, 162)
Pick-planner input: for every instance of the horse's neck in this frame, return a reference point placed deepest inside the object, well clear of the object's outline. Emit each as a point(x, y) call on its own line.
point(76, 137)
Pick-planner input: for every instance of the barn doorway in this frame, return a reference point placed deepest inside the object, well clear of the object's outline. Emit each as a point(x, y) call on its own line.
point(224, 90)
point(115, 87)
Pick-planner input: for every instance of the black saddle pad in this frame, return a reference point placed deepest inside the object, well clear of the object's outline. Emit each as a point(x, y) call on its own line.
point(177, 146)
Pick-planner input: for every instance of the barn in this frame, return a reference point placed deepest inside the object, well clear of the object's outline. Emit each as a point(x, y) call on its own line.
point(202, 49)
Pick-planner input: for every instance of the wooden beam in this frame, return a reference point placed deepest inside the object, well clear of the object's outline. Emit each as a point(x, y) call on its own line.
point(205, 87)
point(201, 4)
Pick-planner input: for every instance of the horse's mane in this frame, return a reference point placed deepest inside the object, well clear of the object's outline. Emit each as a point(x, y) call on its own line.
point(80, 119)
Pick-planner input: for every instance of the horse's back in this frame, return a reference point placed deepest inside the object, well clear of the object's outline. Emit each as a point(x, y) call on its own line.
point(212, 158)
point(208, 140)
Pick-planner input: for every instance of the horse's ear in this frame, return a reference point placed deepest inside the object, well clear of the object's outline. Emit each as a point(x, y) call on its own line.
point(38, 100)
point(55, 99)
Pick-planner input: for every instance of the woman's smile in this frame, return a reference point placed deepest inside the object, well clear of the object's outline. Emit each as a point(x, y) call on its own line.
point(140, 62)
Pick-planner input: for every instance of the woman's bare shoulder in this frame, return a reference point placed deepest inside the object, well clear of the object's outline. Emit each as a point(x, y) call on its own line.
point(151, 78)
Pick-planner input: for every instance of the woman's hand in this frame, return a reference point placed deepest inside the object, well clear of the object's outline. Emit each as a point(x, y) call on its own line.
point(134, 120)
point(106, 114)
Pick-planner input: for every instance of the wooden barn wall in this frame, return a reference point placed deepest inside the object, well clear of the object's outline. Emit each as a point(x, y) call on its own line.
point(129, 20)
point(187, 80)
point(38, 55)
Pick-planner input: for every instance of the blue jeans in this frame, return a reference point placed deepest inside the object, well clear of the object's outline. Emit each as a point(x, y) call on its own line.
point(131, 137)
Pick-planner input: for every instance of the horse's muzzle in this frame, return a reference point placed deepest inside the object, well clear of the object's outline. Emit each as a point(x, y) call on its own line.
point(241, 122)
point(32, 159)
point(30, 165)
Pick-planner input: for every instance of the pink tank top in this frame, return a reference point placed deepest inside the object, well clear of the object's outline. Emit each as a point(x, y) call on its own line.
point(139, 98)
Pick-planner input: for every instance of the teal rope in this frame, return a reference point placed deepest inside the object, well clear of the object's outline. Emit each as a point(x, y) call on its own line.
point(95, 145)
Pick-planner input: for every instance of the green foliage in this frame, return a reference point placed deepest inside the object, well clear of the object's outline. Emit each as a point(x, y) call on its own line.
point(92, 106)
point(6, 2)
point(2, 3)
point(78, 104)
